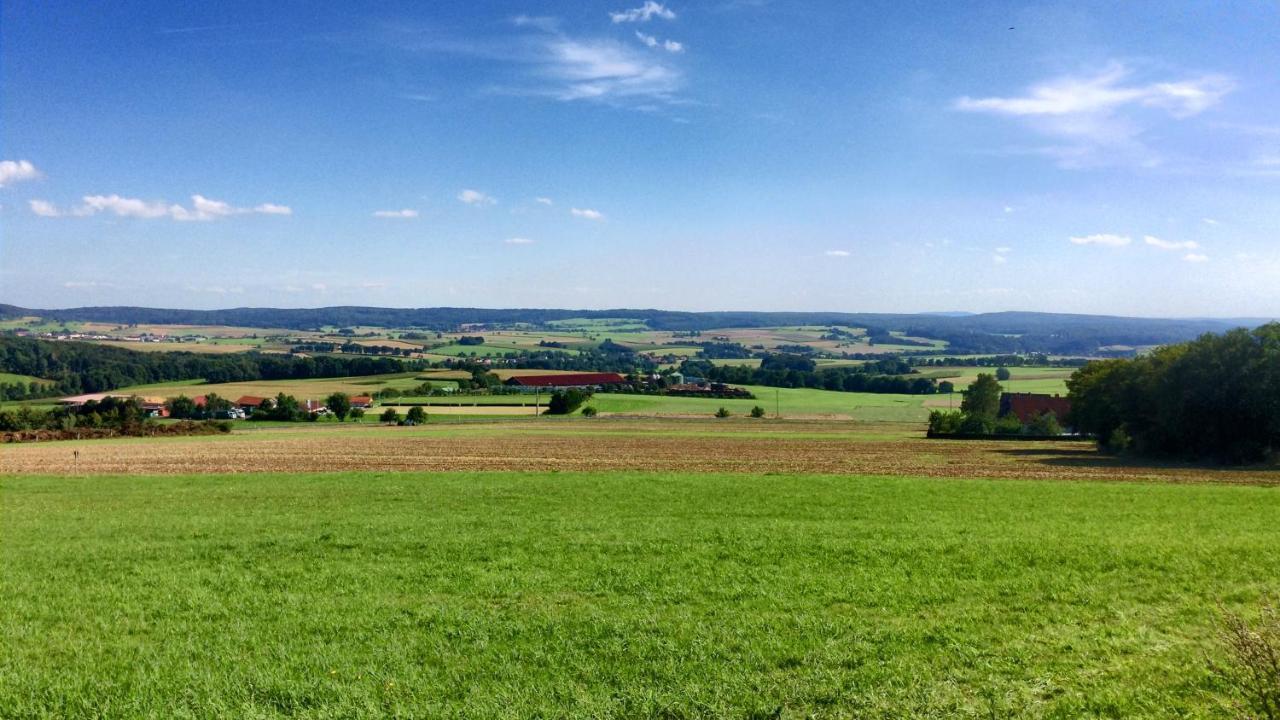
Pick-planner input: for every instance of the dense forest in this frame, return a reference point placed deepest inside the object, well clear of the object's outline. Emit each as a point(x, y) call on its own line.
point(890, 375)
point(75, 367)
point(1005, 332)
point(1217, 398)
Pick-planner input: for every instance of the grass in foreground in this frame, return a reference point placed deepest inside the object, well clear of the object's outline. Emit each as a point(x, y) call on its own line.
point(628, 595)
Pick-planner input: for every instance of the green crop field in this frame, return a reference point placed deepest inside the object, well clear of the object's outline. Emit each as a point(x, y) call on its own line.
point(632, 595)
point(10, 378)
point(791, 402)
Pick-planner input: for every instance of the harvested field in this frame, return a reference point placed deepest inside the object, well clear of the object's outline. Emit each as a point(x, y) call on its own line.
point(614, 445)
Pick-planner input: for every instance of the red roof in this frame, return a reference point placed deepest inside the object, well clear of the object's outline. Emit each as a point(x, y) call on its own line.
point(1026, 406)
point(198, 400)
point(567, 380)
point(361, 400)
point(250, 400)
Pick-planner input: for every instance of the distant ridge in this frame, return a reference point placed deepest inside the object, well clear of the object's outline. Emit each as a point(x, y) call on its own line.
point(1011, 331)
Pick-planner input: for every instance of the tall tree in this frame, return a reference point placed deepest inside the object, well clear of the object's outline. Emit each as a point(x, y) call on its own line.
point(982, 399)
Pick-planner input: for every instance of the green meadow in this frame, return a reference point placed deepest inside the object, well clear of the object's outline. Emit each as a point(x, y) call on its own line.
point(789, 401)
point(600, 595)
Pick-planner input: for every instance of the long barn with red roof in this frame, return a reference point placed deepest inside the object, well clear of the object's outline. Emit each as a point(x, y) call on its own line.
point(560, 380)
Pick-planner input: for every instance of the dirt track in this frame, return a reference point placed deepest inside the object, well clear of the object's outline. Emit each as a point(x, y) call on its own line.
point(787, 447)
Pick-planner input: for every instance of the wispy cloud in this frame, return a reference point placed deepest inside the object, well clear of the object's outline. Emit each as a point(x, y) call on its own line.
point(587, 213)
point(12, 171)
point(1105, 239)
point(837, 253)
point(1101, 115)
point(476, 198)
point(669, 45)
point(202, 208)
point(644, 13)
point(404, 214)
point(43, 208)
point(518, 241)
point(1170, 244)
point(1195, 258)
point(999, 259)
point(543, 201)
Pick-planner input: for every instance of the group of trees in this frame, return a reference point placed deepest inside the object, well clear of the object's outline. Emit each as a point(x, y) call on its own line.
point(890, 375)
point(1215, 398)
point(979, 414)
point(351, 348)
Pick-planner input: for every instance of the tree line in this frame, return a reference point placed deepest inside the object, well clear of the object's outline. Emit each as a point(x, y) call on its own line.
point(886, 375)
point(77, 367)
point(1214, 398)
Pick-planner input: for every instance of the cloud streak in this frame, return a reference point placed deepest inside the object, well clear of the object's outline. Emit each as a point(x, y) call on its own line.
point(1104, 239)
point(587, 213)
point(644, 13)
point(1170, 244)
point(202, 208)
point(404, 214)
point(476, 198)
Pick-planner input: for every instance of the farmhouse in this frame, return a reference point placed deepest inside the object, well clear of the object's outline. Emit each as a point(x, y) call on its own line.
point(564, 380)
point(362, 401)
point(250, 403)
point(1028, 406)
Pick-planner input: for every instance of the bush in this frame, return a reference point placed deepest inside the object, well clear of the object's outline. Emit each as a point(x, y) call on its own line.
point(1044, 424)
point(1252, 670)
point(564, 402)
point(1002, 373)
point(416, 415)
point(1008, 425)
point(757, 412)
point(722, 413)
point(588, 411)
point(1119, 441)
point(943, 422)
point(389, 416)
point(357, 414)
point(977, 425)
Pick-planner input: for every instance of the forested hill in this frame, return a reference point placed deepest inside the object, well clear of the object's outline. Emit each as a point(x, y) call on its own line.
point(986, 332)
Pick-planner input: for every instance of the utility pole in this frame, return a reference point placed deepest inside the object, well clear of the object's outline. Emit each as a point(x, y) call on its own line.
point(777, 405)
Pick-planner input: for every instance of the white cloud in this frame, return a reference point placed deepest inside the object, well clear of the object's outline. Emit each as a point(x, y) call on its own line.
point(43, 208)
point(1100, 116)
point(123, 207)
point(518, 241)
point(1103, 239)
point(476, 198)
point(1170, 244)
point(644, 13)
point(1210, 221)
point(543, 201)
point(1003, 250)
point(202, 208)
point(669, 45)
point(606, 70)
point(402, 214)
point(999, 259)
point(82, 284)
point(12, 171)
point(1195, 258)
point(587, 213)
point(1008, 209)
point(1105, 92)
point(837, 253)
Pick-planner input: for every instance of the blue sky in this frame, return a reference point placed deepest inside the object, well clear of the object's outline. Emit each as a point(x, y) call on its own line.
point(1115, 158)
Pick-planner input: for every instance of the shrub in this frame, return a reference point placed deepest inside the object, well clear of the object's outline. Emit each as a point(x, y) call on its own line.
point(1119, 441)
point(1002, 373)
point(1252, 669)
point(588, 411)
point(389, 416)
point(564, 402)
point(757, 412)
point(416, 415)
point(1008, 425)
point(943, 422)
point(1044, 424)
point(977, 425)
point(722, 413)
point(357, 414)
